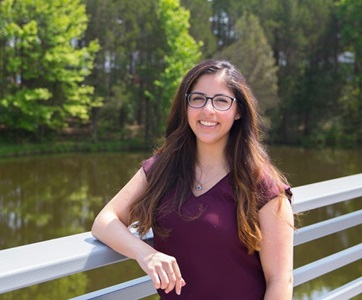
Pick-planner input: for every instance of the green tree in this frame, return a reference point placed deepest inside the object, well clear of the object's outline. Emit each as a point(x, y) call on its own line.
point(223, 20)
point(304, 38)
point(350, 17)
point(313, 103)
point(145, 50)
point(279, 19)
point(133, 46)
point(252, 54)
point(113, 28)
point(42, 64)
point(201, 25)
point(182, 53)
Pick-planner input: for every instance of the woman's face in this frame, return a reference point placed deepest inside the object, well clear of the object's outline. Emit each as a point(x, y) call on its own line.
point(212, 126)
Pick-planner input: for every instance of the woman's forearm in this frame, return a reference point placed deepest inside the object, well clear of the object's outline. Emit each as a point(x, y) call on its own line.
point(111, 231)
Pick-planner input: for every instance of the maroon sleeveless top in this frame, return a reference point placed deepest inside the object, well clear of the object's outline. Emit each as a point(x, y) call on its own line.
point(213, 261)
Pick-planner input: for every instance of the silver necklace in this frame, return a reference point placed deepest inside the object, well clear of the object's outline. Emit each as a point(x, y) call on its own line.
point(199, 185)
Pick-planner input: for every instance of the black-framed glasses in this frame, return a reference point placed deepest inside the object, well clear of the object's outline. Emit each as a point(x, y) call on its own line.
point(219, 101)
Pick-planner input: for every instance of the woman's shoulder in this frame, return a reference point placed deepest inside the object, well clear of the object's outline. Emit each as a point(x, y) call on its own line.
point(148, 163)
point(270, 187)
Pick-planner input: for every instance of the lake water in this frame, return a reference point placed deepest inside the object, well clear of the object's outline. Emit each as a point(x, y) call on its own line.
point(45, 197)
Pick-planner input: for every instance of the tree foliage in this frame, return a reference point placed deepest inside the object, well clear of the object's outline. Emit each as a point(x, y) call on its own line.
point(42, 67)
point(146, 48)
point(201, 25)
point(182, 53)
point(350, 16)
point(302, 58)
point(129, 61)
point(252, 54)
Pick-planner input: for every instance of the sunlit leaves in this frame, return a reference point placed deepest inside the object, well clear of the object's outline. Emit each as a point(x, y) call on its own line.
point(183, 50)
point(42, 60)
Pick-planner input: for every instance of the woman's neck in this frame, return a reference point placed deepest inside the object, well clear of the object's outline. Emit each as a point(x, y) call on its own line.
point(211, 156)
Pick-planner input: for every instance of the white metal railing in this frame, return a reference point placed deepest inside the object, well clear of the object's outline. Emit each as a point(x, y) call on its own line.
point(44, 261)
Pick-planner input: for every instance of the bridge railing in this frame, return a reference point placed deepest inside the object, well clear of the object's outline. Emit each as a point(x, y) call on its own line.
point(44, 261)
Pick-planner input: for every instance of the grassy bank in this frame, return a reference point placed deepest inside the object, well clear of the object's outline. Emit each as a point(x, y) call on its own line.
point(25, 149)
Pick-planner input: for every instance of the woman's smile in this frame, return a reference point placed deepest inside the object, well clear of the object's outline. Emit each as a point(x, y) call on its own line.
point(208, 123)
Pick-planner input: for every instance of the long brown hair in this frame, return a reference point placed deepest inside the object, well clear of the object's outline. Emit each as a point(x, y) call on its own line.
point(248, 161)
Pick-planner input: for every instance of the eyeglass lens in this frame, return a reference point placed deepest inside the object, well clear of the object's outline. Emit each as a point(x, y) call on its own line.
point(219, 102)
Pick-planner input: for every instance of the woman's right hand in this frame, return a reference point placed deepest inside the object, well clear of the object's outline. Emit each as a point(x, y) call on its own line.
point(110, 227)
point(163, 270)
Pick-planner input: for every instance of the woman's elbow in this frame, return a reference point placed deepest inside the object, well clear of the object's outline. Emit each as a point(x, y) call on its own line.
point(97, 227)
point(280, 287)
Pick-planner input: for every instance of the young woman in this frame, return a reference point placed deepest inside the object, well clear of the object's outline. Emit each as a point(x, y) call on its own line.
point(220, 211)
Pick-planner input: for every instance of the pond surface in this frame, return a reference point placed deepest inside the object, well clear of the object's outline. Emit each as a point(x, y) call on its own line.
point(45, 197)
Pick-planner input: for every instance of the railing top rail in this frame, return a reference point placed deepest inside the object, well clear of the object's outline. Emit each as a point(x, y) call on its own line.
point(40, 262)
point(311, 196)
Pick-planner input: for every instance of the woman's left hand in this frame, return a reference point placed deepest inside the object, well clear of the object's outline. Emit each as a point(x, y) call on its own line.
point(163, 270)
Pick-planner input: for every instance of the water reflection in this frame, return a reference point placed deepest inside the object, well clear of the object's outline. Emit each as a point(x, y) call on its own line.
point(305, 166)
point(63, 288)
point(46, 197)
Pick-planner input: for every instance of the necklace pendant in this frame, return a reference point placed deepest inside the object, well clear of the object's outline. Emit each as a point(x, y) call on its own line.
point(198, 187)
